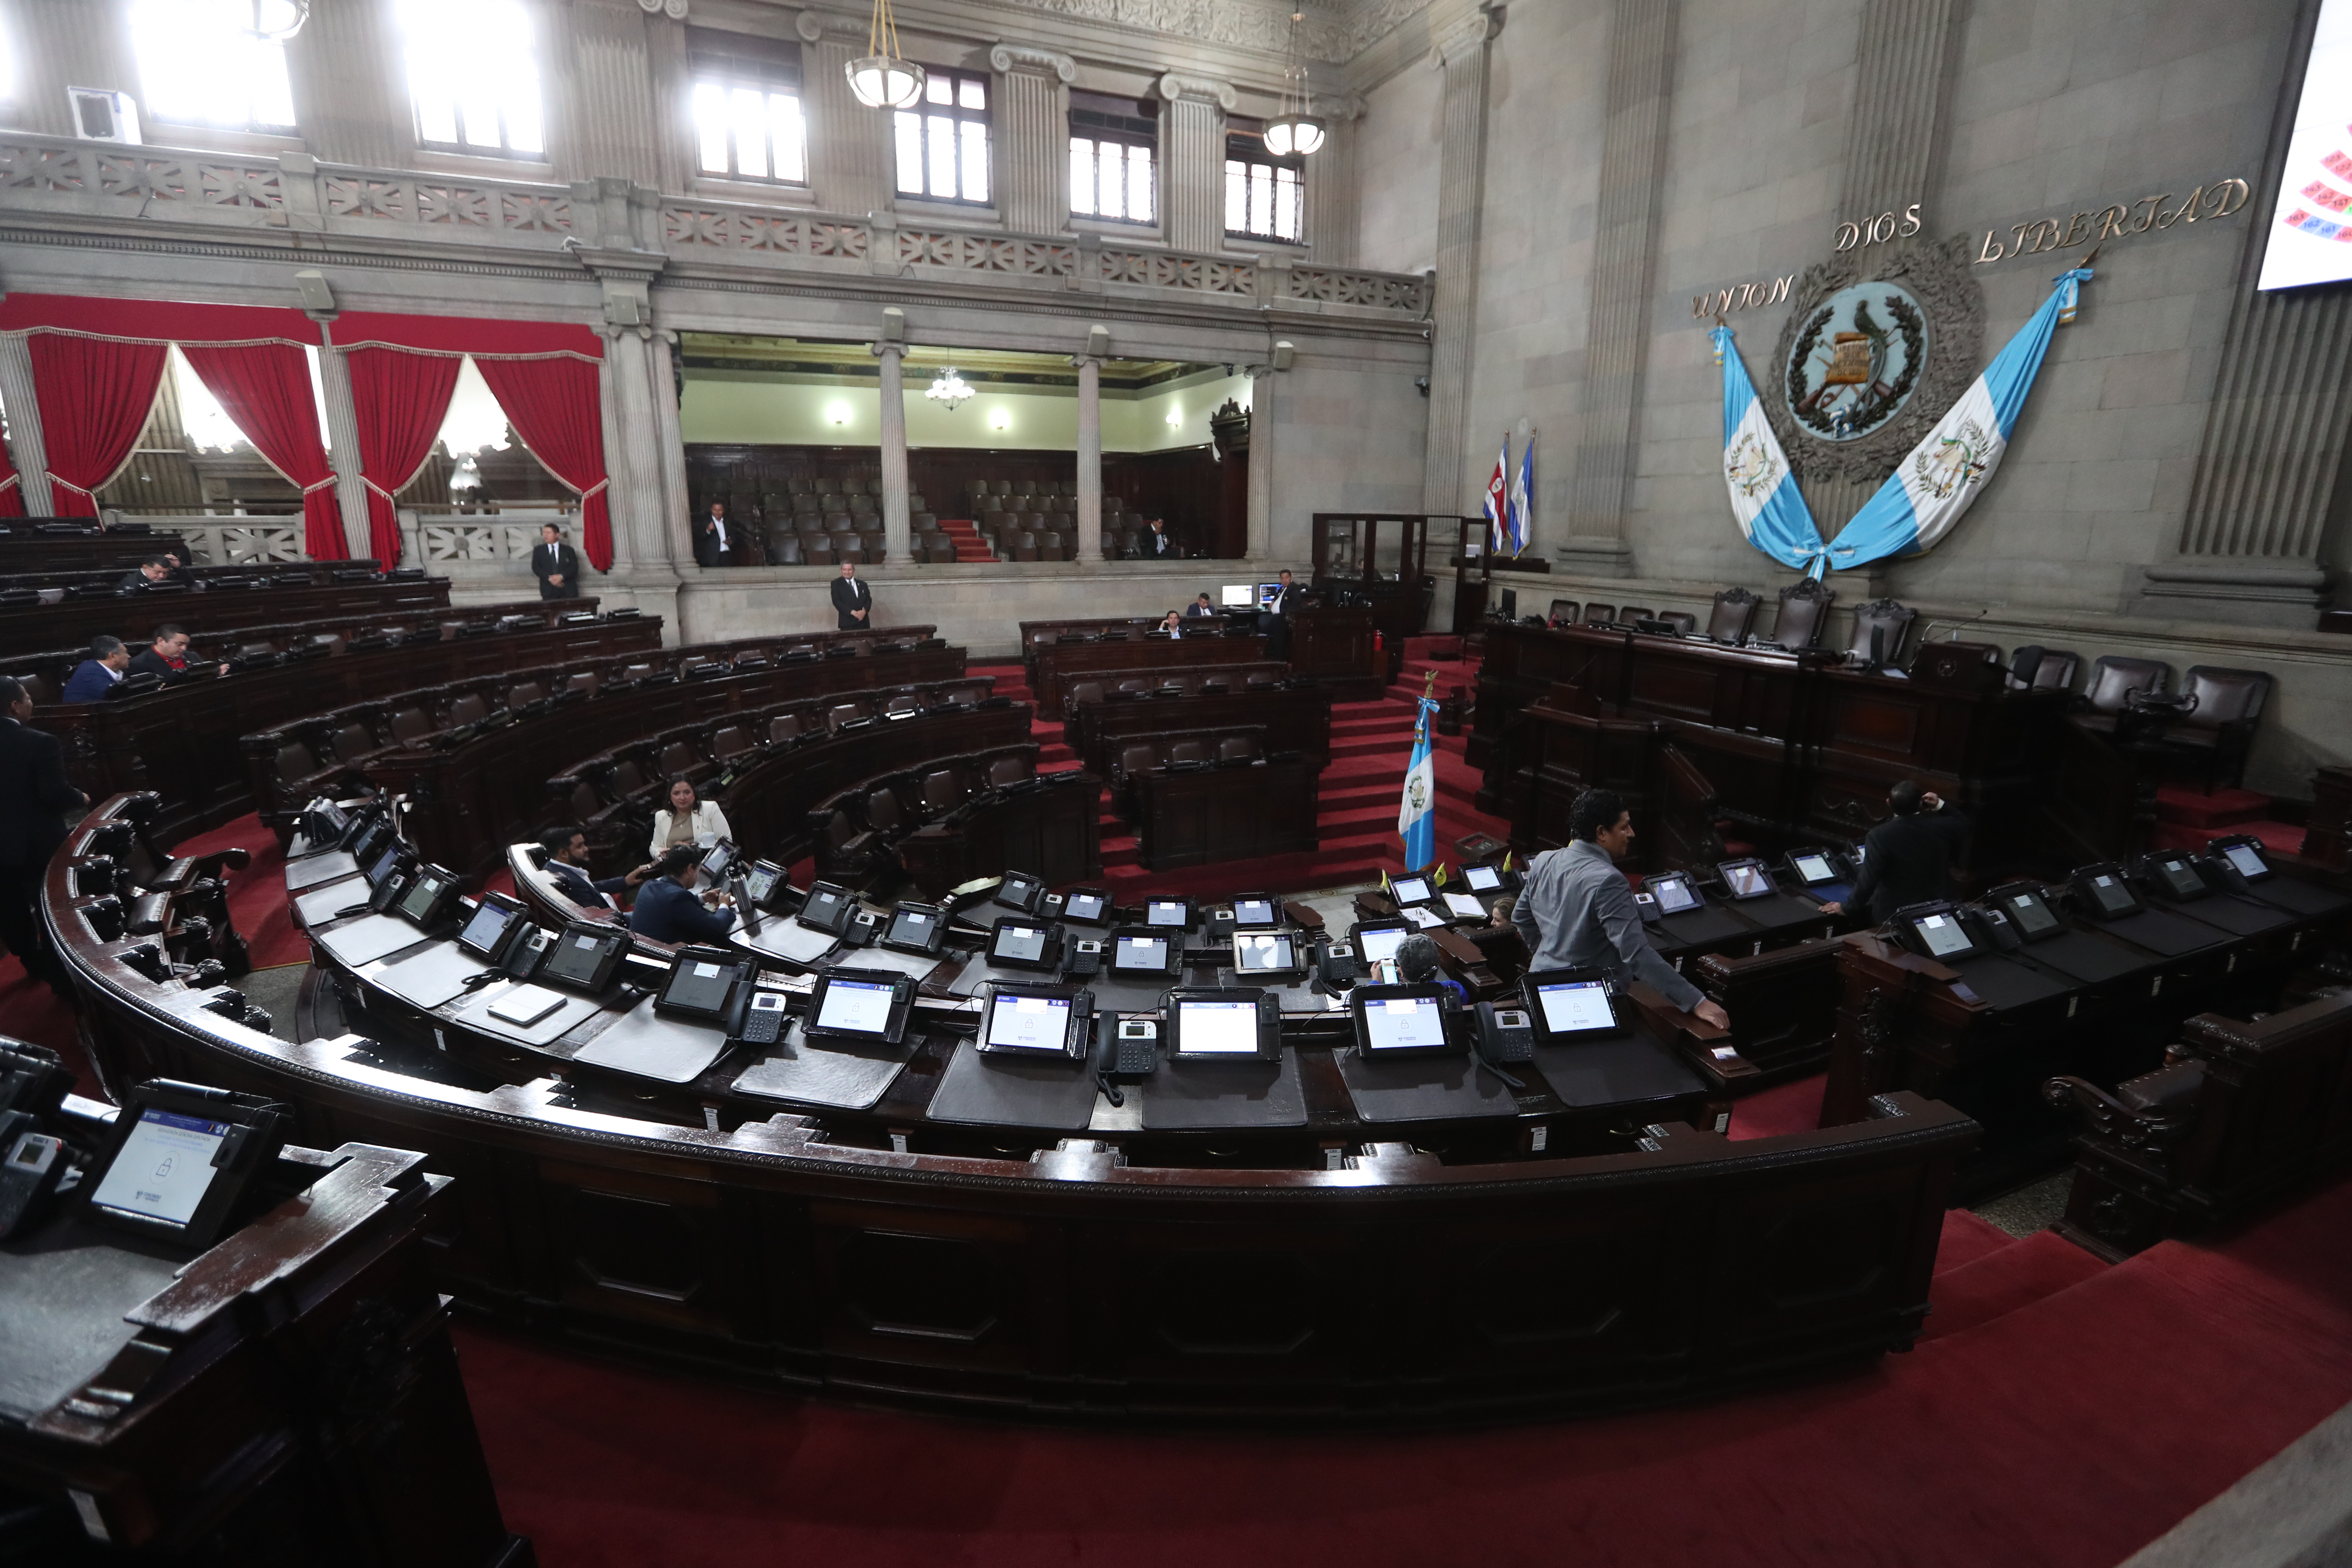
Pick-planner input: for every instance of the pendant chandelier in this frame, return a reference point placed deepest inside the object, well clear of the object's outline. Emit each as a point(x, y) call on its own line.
point(1296, 128)
point(948, 389)
point(885, 78)
point(275, 21)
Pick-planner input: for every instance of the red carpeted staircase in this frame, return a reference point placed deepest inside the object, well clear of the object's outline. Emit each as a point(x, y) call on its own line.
point(2186, 816)
point(1371, 743)
point(965, 533)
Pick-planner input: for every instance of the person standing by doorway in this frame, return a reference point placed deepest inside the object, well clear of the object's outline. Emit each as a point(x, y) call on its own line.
point(852, 601)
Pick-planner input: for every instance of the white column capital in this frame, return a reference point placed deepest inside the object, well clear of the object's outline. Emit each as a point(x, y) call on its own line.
point(1175, 87)
point(1006, 58)
point(814, 26)
point(1471, 34)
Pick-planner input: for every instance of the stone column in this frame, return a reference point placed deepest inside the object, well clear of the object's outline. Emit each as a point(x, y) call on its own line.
point(1461, 54)
point(1193, 162)
point(1263, 381)
point(1617, 318)
point(896, 534)
point(69, 43)
point(350, 96)
point(343, 441)
point(30, 453)
point(1033, 138)
point(622, 503)
point(1334, 198)
point(600, 97)
point(849, 144)
point(1090, 549)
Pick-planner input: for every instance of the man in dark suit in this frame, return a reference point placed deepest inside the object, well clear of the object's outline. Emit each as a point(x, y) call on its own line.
point(1200, 606)
point(34, 797)
point(567, 855)
point(94, 677)
point(713, 545)
point(155, 569)
point(1907, 858)
point(1158, 546)
point(852, 599)
point(668, 910)
point(167, 656)
point(556, 565)
point(1276, 621)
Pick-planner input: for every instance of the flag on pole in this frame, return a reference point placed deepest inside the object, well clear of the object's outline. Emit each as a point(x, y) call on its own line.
point(1771, 510)
point(1417, 815)
point(1944, 474)
point(1495, 505)
point(1523, 485)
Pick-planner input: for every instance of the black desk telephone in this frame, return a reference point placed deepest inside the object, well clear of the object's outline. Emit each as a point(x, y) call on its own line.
point(763, 1020)
point(1135, 1047)
point(1336, 965)
point(1085, 960)
point(1506, 1033)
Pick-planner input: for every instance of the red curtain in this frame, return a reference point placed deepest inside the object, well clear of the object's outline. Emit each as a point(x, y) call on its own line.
point(266, 388)
point(12, 494)
point(553, 405)
point(401, 399)
point(94, 396)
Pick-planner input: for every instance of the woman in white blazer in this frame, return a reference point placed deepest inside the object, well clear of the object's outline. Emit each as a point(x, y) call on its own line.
point(688, 819)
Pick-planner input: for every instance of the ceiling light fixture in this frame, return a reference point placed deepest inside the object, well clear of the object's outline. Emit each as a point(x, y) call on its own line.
point(275, 21)
point(885, 78)
point(948, 389)
point(1296, 128)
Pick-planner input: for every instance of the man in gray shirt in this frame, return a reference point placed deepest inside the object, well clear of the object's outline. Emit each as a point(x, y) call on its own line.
point(1576, 909)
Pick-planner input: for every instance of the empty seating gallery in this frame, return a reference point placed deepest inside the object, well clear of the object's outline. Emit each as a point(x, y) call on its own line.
point(1533, 782)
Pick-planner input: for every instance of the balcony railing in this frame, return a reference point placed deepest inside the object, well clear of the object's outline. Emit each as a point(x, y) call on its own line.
point(58, 176)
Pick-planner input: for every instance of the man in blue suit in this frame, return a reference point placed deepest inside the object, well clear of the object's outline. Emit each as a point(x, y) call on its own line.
point(567, 853)
point(94, 677)
point(668, 910)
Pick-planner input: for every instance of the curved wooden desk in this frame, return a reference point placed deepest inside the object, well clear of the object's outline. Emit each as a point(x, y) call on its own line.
point(1334, 1272)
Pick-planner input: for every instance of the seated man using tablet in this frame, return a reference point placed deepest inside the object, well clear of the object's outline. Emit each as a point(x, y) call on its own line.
point(669, 909)
point(1577, 911)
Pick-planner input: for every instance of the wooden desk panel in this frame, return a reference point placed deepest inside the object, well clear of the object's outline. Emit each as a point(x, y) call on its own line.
point(1052, 830)
point(1058, 666)
point(1192, 816)
point(22, 550)
point(1296, 719)
point(134, 617)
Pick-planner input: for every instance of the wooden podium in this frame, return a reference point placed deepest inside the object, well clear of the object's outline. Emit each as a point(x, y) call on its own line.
point(287, 1397)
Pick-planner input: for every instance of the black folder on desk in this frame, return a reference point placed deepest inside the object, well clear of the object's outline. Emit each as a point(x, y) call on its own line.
point(838, 1074)
point(1424, 1088)
point(1202, 1096)
point(992, 1088)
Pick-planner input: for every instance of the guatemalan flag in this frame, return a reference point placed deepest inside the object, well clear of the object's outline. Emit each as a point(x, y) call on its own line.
point(1943, 474)
point(1496, 507)
point(1523, 484)
point(1417, 816)
point(1771, 510)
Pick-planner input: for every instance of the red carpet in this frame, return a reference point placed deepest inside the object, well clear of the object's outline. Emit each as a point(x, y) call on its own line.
point(2065, 1429)
point(964, 534)
point(1794, 1107)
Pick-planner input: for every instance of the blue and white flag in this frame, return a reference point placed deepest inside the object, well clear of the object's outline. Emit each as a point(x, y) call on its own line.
point(1523, 485)
point(1771, 510)
point(1944, 474)
point(1417, 816)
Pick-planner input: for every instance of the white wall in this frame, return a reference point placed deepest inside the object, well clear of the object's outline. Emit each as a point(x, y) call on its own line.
point(1396, 161)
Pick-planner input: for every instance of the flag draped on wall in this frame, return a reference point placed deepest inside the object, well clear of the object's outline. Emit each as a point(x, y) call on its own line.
point(1495, 504)
point(1930, 489)
point(1417, 814)
point(1523, 485)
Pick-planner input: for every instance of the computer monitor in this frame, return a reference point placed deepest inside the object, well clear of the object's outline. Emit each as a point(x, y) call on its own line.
point(1400, 1021)
point(1265, 952)
point(1569, 1004)
point(1944, 935)
point(1017, 941)
point(491, 930)
point(1253, 911)
point(1267, 594)
point(1236, 596)
point(1377, 940)
point(1675, 891)
point(1035, 1021)
point(1086, 906)
point(1229, 1026)
point(863, 1006)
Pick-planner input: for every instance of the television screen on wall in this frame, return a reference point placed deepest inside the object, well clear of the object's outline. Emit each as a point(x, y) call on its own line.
point(2310, 237)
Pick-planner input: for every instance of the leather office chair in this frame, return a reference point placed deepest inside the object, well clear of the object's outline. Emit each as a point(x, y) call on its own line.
point(1007, 770)
point(731, 742)
point(1235, 747)
point(1024, 486)
point(468, 709)
point(784, 550)
point(2114, 682)
point(842, 713)
point(882, 812)
point(628, 775)
point(2218, 729)
point(1599, 615)
point(1888, 622)
point(1733, 617)
point(294, 762)
point(1563, 613)
point(1024, 546)
point(1629, 614)
point(816, 550)
point(351, 742)
point(1135, 757)
point(1139, 688)
point(901, 704)
point(523, 693)
point(2057, 672)
point(1259, 680)
point(828, 487)
point(678, 757)
point(1682, 621)
point(1049, 546)
point(1187, 752)
point(1804, 608)
point(784, 727)
point(584, 681)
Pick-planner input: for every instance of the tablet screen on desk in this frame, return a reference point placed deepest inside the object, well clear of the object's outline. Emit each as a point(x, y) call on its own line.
point(1746, 880)
point(1482, 878)
point(1675, 894)
point(1944, 936)
point(1814, 868)
point(1149, 954)
point(2246, 859)
point(1017, 1023)
point(487, 928)
point(860, 1006)
point(1254, 913)
point(165, 1168)
point(828, 909)
point(1091, 907)
point(1379, 943)
point(1018, 943)
point(1575, 1007)
point(1409, 890)
point(759, 883)
point(1404, 1023)
point(1218, 1028)
point(2112, 897)
point(2031, 915)
point(1263, 952)
point(586, 959)
point(1176, 912)
point(911, 927)
point(2179, 876)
